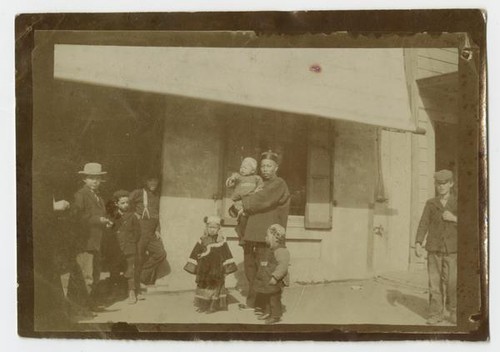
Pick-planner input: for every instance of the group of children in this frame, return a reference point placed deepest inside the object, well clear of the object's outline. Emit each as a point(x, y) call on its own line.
point(130, 218)
point(133, 219)
point(211, 259)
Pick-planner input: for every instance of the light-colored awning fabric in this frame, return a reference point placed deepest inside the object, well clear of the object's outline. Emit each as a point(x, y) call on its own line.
point(362, 85)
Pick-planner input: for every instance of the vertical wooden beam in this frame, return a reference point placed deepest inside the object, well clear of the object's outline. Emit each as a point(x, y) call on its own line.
point(411, 68)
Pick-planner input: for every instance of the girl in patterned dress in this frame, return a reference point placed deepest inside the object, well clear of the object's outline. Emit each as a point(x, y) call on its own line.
point(211, 260)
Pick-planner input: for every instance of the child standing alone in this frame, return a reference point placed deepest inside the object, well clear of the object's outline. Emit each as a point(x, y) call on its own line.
point(272, 275)
point(128, 231)
point(211, 261)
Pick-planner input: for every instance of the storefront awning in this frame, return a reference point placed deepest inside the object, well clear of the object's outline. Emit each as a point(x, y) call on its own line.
point(363, 85)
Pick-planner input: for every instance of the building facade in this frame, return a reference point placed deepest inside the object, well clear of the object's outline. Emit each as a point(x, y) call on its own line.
point(359, 167)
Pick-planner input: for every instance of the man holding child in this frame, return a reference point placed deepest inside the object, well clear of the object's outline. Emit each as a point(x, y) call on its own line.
point(268, 206)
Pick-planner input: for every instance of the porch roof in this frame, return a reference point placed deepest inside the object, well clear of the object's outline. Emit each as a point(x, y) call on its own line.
point(366, 85)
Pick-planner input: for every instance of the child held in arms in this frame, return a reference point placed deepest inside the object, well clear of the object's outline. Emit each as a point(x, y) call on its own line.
point(243, 183)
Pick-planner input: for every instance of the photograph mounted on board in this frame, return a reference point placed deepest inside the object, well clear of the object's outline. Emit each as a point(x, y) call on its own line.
point(225, 176)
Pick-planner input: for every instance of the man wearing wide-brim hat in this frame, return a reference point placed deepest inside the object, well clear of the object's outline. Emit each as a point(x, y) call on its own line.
point(439, 223)
point(90, 215)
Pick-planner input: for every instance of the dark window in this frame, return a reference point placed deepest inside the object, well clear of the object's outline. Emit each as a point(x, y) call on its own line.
point(287, 135)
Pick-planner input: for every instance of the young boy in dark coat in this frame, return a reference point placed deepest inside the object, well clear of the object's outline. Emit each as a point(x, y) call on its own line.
point(128, 231)
point(272, 275)
point(438, 228)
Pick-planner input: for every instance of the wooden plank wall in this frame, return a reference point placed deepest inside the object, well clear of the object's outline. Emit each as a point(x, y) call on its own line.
point(426, 62)
point(430, 62)
point(436, 61)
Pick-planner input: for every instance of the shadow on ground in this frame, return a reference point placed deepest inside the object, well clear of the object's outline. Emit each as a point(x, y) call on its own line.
point(413, 303)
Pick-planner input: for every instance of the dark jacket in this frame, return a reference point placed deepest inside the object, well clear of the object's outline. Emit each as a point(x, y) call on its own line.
point(442, 235)
point(127, 231)
point(275, 265)
point(266, 207)
point(87, 210)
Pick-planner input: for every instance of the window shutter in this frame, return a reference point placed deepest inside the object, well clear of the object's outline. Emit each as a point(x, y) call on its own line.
point(318, 214)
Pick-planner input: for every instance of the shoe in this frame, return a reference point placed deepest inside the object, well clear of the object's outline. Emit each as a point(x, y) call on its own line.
point(140, 296)
point(83, 315)
point(132, 298)
point(242, 306)
point(264, 317)
point(272, 320)
point(435, 319)
point(97, 308)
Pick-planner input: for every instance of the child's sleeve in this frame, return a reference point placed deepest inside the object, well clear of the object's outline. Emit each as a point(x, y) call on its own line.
point(232, 180)
point(192, 262)
point(283, 258)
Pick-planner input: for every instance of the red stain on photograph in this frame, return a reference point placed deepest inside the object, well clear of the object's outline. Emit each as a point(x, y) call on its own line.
point(316, 68)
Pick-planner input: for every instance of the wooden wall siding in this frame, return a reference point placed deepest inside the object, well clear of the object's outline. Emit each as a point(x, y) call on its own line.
point(429, 64)
point(435, 61)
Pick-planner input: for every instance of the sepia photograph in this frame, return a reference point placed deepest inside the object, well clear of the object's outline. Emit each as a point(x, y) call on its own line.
point(233, 175)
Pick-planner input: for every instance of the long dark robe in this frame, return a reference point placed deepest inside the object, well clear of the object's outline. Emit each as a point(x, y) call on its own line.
point(211, 260)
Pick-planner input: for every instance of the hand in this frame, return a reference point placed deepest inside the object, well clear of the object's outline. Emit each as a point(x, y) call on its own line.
point(419, 251)
point(273, 281)
point(158, 234)
point(448, 216)
point(231, 180)
point(105, 221)
point(258, 188)
point(238, 206)
point(241, 212)
point(61, 205)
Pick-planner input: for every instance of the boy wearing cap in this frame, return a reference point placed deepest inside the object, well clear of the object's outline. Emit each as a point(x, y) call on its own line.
point(90, 215)
point(127, 229)
point(272, 275)
point(439, 222)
